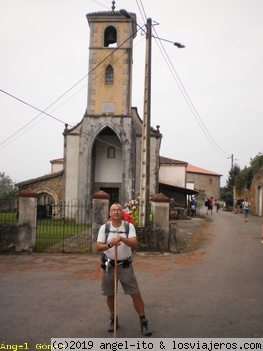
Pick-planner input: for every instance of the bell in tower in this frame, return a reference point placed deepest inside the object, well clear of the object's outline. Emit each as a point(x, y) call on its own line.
point(110, 36)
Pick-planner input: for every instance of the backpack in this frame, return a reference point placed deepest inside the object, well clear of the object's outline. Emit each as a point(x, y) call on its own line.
point(126, 231)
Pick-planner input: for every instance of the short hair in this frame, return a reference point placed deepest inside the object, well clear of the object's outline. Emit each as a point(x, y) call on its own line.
point(116, 204)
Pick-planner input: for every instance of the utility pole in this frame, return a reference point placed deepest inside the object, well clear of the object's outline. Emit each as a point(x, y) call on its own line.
point(144, 210)
point(232, 161)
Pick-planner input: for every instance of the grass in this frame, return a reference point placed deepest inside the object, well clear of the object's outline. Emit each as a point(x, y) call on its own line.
point(59, 233)
point(8, 217)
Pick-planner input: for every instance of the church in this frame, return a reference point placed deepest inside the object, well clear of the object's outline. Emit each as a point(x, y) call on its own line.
point(104, 151)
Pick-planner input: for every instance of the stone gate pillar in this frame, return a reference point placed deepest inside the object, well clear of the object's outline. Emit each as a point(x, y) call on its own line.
point(28, 213)
point(160, 211)
point(100, 214)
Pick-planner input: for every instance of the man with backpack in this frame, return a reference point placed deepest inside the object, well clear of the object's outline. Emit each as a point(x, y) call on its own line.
point(210, 205)
point(118, 235)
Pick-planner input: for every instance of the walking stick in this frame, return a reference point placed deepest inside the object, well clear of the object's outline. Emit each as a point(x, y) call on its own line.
point(115, 289)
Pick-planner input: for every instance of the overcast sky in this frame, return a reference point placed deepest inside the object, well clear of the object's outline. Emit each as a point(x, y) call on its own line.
point(207, 97)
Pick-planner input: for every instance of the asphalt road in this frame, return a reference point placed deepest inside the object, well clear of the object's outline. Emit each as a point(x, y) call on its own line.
point(215, 291)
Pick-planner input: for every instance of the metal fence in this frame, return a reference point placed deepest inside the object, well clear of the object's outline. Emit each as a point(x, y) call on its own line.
point(63, 229)
point(9, 211)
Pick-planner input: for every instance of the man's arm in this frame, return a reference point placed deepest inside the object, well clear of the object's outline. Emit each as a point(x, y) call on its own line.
point(100, 246)
point(131, 242)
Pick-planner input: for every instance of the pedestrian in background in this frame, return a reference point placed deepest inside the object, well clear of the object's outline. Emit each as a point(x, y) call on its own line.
point(245, 206)
point(210, 205)
point(193, 206)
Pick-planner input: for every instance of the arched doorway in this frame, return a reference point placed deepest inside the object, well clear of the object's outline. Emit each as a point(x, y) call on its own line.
point(107, 161)
point(47, 203)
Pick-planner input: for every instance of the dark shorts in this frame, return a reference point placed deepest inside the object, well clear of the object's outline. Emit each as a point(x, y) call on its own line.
point(126, 277)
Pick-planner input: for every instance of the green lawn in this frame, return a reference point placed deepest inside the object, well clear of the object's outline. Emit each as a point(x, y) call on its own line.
point(8, 218)
point(60, 233)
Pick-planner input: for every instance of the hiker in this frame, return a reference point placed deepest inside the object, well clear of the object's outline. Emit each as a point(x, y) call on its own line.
point(245, 206)
point(193, 206)
point(118, 238)
point(210, 205)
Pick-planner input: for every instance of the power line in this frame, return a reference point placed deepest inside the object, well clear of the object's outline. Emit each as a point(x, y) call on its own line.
point(191, 105)
point(44, 111)
point(182, 88)
point(171, 68)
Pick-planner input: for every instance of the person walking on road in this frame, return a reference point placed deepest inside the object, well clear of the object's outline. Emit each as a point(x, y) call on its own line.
point(118, 239)
point(210, 205)
point(245, 206)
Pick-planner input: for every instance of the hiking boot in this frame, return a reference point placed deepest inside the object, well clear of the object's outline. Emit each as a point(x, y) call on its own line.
point(144, 328)
point(111, 326)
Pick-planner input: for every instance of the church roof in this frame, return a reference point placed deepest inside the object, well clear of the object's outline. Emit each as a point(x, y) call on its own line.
point(40, 179)
point(170, 161)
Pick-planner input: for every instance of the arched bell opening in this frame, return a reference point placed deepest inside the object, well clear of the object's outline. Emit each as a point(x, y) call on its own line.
point(110, 36)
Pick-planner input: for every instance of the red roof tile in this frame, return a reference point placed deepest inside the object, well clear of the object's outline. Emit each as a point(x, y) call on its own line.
point(194, 169)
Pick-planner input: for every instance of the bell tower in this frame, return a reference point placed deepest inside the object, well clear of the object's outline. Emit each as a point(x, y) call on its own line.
point(100, 152)
point(103, 151)
point(110, 63)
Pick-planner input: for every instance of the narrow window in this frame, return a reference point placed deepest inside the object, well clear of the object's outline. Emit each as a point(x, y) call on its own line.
point(109, 75)
point(111, 152)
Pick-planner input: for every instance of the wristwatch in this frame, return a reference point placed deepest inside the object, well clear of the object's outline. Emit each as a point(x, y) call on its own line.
point(109, 246)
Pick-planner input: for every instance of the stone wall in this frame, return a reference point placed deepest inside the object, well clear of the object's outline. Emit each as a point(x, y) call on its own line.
point(206, 184)
point(16, 238)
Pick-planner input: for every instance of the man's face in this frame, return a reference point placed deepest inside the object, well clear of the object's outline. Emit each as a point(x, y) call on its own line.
point(116, 212)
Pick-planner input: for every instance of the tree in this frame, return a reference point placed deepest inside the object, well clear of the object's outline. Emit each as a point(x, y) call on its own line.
point(245, 177)
point(7, 187)
point(234, 171)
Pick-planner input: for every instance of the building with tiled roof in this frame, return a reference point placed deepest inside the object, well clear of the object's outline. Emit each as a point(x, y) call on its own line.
point(206, 182)
point(194, 169)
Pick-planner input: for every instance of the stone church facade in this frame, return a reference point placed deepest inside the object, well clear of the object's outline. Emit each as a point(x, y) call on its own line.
point(103, 152)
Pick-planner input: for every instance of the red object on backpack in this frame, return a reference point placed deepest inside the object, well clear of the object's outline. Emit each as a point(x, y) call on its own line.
point(126, 217)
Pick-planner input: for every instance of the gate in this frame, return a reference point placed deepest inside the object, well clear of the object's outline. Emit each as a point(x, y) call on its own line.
point(64, 229)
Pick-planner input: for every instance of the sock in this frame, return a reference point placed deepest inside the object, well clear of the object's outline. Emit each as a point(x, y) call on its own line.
point(142, 317)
